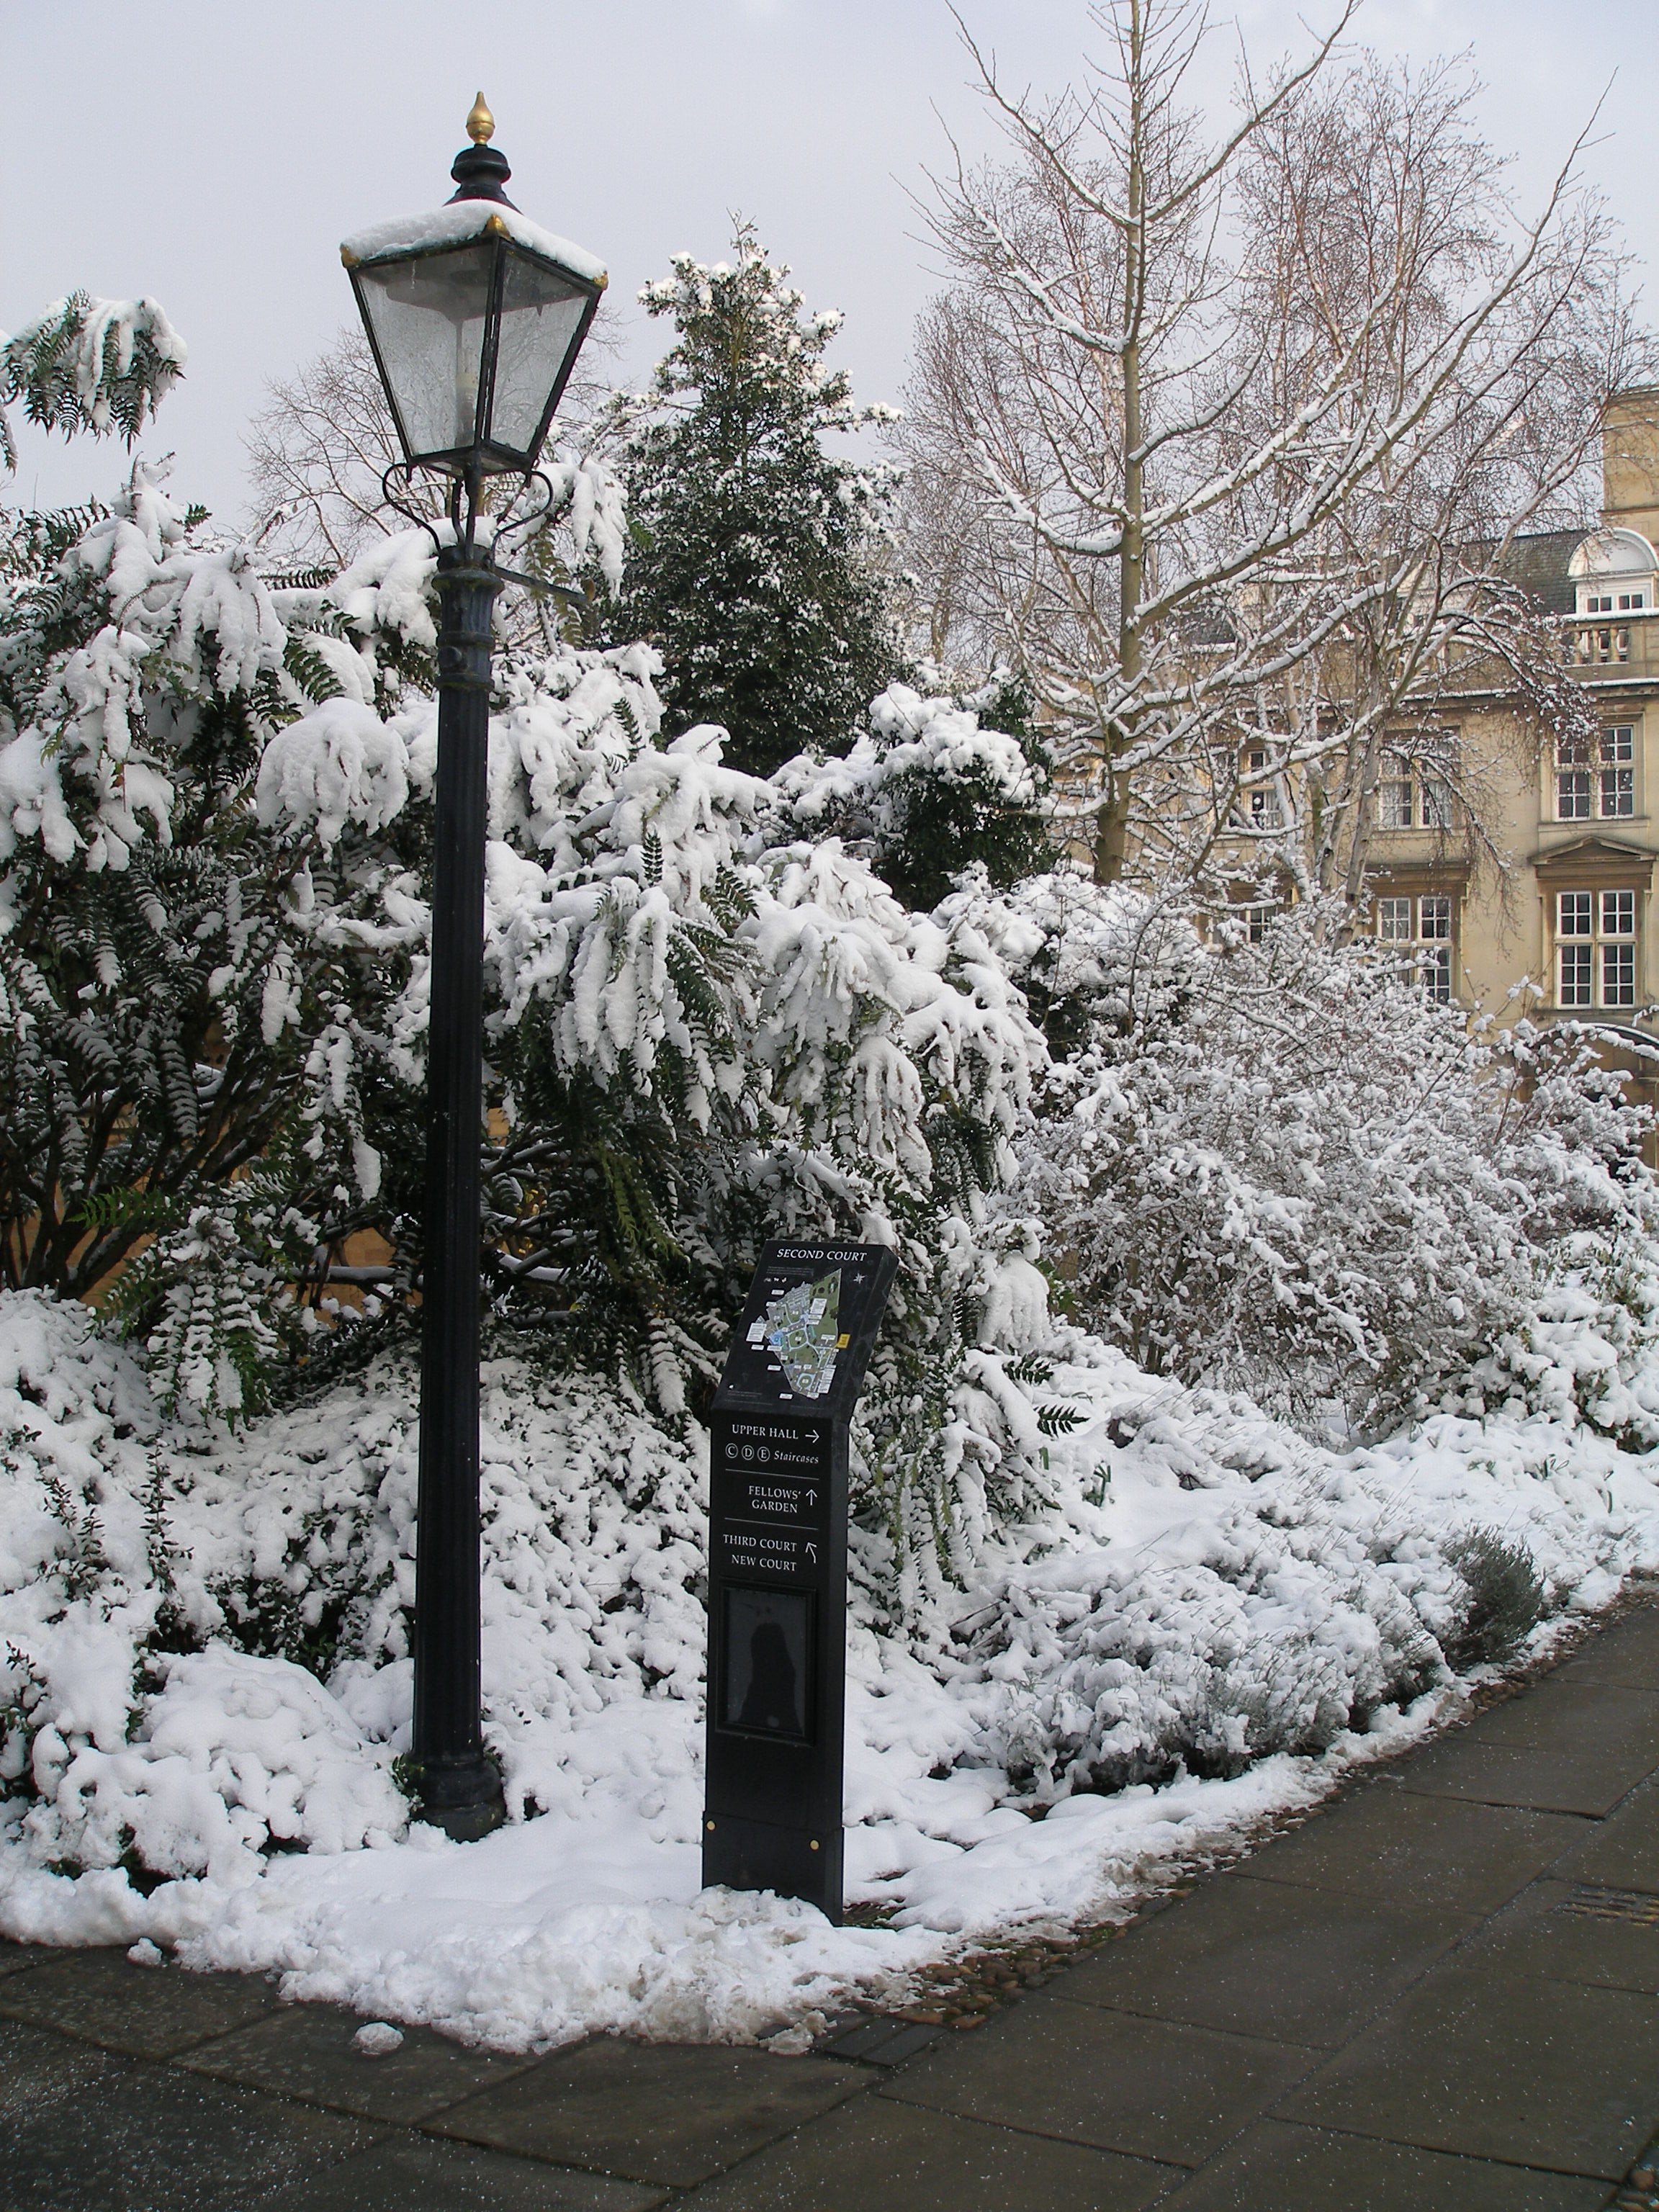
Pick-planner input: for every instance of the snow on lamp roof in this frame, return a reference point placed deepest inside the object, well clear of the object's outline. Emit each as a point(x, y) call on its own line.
point(1617, 552)
point(457, 222)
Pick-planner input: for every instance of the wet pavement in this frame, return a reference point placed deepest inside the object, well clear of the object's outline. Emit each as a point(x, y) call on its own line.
point(1438, 1994)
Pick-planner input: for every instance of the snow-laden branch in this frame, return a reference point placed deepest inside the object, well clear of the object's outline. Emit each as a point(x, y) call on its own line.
point(89, 365)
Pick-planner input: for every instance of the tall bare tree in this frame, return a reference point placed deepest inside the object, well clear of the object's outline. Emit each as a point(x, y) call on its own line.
point(317, 452)
point(1235, 433)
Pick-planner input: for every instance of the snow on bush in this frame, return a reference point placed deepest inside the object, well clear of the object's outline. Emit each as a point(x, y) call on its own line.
point(89, 364)
point(1281, 1167)
point(929, 790)
point(206, 1682)
point(707, 1020)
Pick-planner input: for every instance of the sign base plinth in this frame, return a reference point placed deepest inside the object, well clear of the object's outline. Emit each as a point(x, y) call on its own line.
point(757, 1855)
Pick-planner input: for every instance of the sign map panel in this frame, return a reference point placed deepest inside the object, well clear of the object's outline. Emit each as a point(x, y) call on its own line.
point(809, 1327)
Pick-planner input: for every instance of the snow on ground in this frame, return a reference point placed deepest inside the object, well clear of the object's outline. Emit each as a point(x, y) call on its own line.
point(1210, 1624)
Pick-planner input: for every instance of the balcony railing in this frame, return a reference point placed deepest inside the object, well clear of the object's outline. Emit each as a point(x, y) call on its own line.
point(1607, 646)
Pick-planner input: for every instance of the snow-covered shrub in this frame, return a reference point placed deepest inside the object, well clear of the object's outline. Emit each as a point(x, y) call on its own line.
point(936, 785)
point(86, 364)
point(169, 1017)
point(206, 1671)
point(1506, 1598)
point(207, 1643)
point(703, 1025)
point(1279, 1166)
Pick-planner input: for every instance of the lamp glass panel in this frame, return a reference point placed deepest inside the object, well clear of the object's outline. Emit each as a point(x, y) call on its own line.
point(541, 312)
point(429, 316)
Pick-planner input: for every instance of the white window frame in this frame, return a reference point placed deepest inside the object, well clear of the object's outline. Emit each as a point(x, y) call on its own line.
point(1426, 922)
point(1596, 934)
point(1616, 771)
point(1412, 795)
point(1595, 777)
point(1265, 811)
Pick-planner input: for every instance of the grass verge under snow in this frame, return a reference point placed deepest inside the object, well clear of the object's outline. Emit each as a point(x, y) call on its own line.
point(1210, 1624)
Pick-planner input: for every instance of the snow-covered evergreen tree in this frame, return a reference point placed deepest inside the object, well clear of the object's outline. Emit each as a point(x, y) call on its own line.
point(705, 1021)
point(750, 567)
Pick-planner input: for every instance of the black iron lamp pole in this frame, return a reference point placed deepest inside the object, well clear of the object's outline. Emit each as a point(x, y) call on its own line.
point(460, 1786)
point(476, 317)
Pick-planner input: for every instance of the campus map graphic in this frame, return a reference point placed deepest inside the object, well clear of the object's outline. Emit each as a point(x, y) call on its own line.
point(802, 1328)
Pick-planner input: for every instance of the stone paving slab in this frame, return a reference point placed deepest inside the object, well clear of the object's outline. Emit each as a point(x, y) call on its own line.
point(880, 2042)
point(670, 2113)
point(1570, 1932)
point(1622, 1852)
point(1588, 1779)
point(1555, 1715)
point(1279, 2169)
point(307, 2051)
point(17, 1958)
point(149, 2012)
point(1150, 2088)
point(1623, 1655)
point(1266, 1959)
point(38, 2070)
point(409, 2170)
point(877, 2156)
point(133, 2137)
point(1531, 2072)
point(1388, 1841)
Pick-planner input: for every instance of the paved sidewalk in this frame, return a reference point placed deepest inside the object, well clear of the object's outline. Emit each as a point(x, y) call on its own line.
point(1441, 1994)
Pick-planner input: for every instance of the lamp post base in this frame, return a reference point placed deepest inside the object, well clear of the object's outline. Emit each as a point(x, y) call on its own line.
point(462, 1796)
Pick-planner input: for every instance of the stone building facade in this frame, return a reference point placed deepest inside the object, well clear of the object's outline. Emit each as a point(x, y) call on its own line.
point(1572, 911)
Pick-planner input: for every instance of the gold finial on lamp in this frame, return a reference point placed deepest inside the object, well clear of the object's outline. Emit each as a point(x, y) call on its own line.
point(480, 123)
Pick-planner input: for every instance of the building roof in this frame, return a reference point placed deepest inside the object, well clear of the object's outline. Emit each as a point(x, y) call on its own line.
point(1540, 563)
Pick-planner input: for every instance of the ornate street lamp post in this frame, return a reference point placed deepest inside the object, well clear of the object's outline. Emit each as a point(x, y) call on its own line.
point(476, 317)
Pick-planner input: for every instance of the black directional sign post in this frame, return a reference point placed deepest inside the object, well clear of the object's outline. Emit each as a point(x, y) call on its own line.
point(777, 1568)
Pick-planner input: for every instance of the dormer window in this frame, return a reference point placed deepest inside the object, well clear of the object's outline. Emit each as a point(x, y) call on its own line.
point(1614, 571)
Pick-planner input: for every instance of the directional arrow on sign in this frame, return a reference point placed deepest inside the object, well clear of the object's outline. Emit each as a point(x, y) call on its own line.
point(812, 1553)
point(811, 1497)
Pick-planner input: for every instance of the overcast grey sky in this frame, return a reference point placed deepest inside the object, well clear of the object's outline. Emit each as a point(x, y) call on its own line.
point(213, 153)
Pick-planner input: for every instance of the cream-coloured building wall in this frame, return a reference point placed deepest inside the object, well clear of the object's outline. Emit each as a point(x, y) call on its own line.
point(1630, 461)
point(1574, 910)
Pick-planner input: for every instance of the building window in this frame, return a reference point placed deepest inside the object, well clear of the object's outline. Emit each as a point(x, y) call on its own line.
point(1397, 810)
point(1573, 930)
point(1409, 798)
point(1618, 756)
point(1434, 930)
point(1426, 924)
point(1266, 813)
point(1596, 776)
point(1572, 781)
point(1595, 949)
